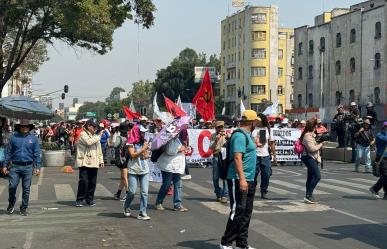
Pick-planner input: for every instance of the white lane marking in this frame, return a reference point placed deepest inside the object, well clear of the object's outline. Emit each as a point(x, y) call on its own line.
point(28, 242)
point(280, 191)
point(337, 188)
point(41, 176)
point(294, 174)
point(363, 180)
point(101, 190)
point(197, 188)
point(64, 192)
point(359, 218)
point(346, 183)
point(298, 187)
point(278, 236)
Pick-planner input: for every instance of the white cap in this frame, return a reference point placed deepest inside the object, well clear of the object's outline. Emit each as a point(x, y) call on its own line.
point(143, 129)
point(143, 118)
point(303, 122)
point(285, 121)
point(353, 104)
point(201, 120)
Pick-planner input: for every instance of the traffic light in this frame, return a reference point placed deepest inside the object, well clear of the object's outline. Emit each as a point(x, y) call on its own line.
point(66, 88)
point(63, 96)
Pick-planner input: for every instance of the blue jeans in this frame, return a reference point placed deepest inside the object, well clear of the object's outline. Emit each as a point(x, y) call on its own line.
point(169, 177)
point(215, 179)
point(144, 186)
point(263, 166)
point(15, 174)
point(360, 150)
point(314, 175)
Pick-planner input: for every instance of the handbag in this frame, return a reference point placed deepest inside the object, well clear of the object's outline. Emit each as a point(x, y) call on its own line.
point(376, 165)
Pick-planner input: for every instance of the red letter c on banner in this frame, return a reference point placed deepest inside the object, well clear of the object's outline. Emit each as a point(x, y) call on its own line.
point(202, 135)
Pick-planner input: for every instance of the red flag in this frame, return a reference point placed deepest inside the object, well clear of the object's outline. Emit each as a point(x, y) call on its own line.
point(174, 109)
point(204, 99)
point(130, 115)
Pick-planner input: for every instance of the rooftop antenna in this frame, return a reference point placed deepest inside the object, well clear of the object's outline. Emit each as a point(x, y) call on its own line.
point(138, 51)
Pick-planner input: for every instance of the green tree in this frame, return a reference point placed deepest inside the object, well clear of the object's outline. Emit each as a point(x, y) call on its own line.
point(97, 107)
point(179, 77)
point(115, 94)
point(142, 92)
point(79, 23)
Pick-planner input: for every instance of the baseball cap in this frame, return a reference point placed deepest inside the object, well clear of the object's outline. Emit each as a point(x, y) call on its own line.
point(353, 104)
point(250, 115)
point(91, 122)
point(303, 122)
point(143, 118)
point(219, 123)
point(201, 120)
point(319, 121)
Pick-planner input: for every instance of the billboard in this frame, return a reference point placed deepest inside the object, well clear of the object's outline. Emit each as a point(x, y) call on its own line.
point(238, 3)
point(199, 74)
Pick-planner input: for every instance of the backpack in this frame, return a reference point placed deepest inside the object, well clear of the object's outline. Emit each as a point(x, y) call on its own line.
point(225, 164)
point(298, 147)
point(121, 154)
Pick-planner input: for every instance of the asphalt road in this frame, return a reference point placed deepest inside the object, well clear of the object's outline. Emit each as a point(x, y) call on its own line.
point(346, 217)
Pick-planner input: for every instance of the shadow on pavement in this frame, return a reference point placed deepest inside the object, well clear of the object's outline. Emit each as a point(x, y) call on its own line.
point(113, 215)
point(359, 197)
point(66, 203)
point(374, 235)
point(105, 198)
point(205, 199)
point(199, 244)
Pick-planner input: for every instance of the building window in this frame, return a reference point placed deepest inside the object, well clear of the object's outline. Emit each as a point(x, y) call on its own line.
point(258, 89)
point(299, 100)
point(378, 30)
point(280, 90)
point(258, 71)
point(352, 96)
point(300, 48)
point(280, 108)
point(310, 100)
point(310, 72)
point(280, 54)
point(255, 107)
point(377, 61)
point(258, 35)
point(224, 60)
point(353, 36)
point(338, 67)
point(231, 91)
point(338, 40)
point(352, 65)
point(311, 47)
point(322, 44)
point(280, 71)
point(258, 18)
point(300, 73)
point(377, 95)
point(338, 97)
point(258, 53)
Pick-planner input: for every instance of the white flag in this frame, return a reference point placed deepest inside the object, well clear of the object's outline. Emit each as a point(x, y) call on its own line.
point(224, 110)
point(164, 116)
point(242, 107)
point(179, 102)
point(132, 106)
point(271, 110)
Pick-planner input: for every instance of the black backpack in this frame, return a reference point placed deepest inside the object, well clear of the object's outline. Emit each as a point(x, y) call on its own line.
point(121, 154)
point(225, 164)
point(156, 154)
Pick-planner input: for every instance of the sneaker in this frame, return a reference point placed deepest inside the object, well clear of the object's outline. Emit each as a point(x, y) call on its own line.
point(117, 195)
point(127, 212)
point(225, 247)
point(309, 200)
point(143, 217)
point(23, 212)
point(186, 177)
point(264, 196)
point(247, 247)
point(160, 207)
point(79, 203)
point(10, 209)
point(91, 203)
point(374, 193)
point(223, 200)
point(181, 209)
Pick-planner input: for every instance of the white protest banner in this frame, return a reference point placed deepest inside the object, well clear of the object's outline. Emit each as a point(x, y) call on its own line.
point(154, 172)
point(284, 140)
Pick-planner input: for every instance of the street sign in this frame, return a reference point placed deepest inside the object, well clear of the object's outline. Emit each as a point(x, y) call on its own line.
point(91, 114)
point(116, 115)
point(109, 115)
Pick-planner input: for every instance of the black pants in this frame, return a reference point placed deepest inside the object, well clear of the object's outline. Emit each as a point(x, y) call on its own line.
point(340, 130)
point(87, 183)
point(382, 182)
point(237, 228)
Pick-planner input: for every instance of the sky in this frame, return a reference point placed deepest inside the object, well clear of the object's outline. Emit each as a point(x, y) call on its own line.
point(138, 53)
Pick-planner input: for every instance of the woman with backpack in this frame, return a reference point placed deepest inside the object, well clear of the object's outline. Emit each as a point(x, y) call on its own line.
point(120, 160)
point(311, 158)
point(138, 170)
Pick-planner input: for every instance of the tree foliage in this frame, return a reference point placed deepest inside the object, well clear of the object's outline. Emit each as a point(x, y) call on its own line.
point(79, 23)
point(142, 93)
point(178, 78)
point(115, 93)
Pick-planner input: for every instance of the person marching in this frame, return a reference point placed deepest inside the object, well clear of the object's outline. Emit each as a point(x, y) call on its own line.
point(120, 160)
point(218, 140)
point(22, 158)
point(311, 158)
point(381, 154)
point(88, 159)
point(364, 139)
point(138, 170)
point(263, 139)
point(240, 180)
point(339, 121)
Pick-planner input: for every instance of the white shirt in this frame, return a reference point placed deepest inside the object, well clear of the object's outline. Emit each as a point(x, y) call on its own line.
point(264, 150)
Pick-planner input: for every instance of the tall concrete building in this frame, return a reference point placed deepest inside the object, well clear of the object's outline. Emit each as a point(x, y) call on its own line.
point(340, 60)
point(256, 60)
